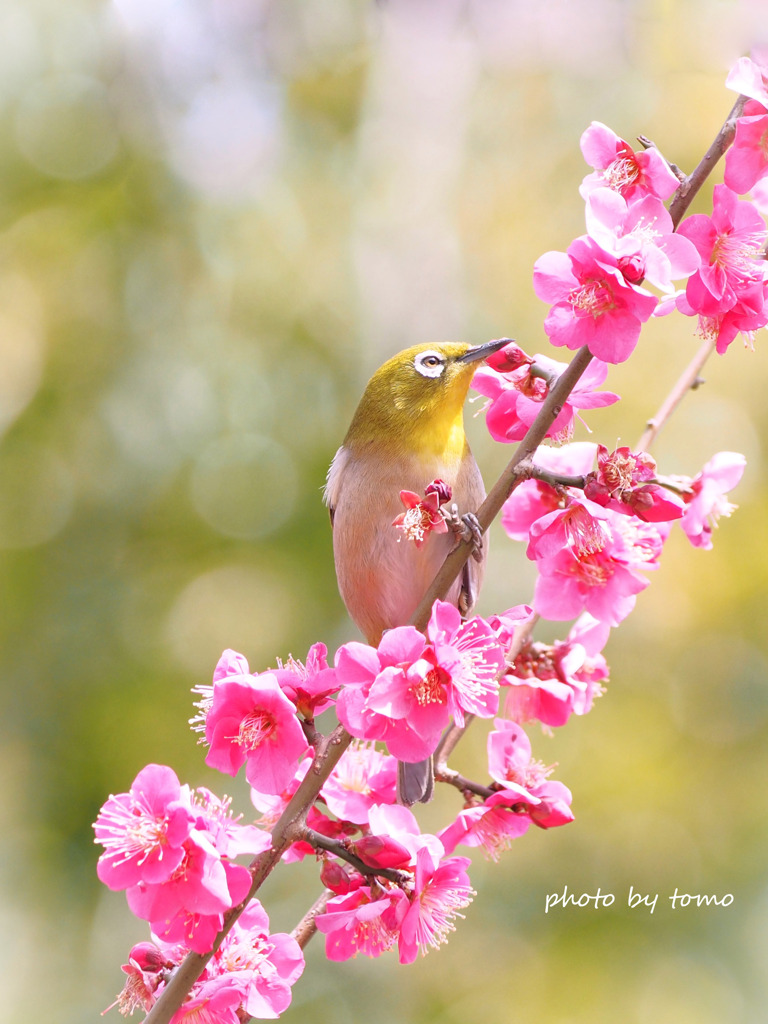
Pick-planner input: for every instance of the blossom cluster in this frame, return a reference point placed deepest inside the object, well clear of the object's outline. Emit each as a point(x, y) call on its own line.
point(596, 289)
point(594, 521)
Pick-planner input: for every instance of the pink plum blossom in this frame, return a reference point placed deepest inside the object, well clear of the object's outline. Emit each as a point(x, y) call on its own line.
point(592, 303)
point(729, 243)
point(533, 499)
point(524, 780)
point(706, 501)
point(589, 559)
point(261, 966)
point(308, 685)
point(641, 236)
point(361, 922)
point(252, 722)
point(147, 969)
point(515, 396)
point(404, 692)
point(358, 666)
point(189, 906)
point(422, 516)
point(749, 76)
point(363, 777)
point(471, 656)
point(492, 825)
point(144, 831)
point(250, 975)
point(441, 890)
point(625, 482)
point(746, 161)
point(550, 683)
point(617, 166)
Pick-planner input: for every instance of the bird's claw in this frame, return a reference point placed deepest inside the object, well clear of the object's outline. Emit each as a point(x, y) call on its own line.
point(466, 528)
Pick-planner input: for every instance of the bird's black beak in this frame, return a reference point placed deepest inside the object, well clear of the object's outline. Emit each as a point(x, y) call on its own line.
point(474, 355)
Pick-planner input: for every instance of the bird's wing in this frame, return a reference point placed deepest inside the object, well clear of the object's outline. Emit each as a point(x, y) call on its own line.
point(334, 479)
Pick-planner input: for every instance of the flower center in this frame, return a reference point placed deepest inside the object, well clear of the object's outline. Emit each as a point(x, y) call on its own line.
point(255, 728)
point(593, 298)
point(585, 535)
point(430, 689)
point(622, 173)
point(736, 254)
point(591, 571)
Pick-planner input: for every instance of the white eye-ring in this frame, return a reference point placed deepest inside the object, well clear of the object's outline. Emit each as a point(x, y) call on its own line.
point(429, 363)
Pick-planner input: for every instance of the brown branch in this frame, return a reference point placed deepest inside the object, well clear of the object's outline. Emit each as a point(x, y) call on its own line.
point(688, 189)
point(286, 831)
point(338, 849)
point(307, 926)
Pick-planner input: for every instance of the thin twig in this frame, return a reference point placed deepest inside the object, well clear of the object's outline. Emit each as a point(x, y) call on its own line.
point(688, 379)
point(688, 189)
point(307, 926)
point(338, 849)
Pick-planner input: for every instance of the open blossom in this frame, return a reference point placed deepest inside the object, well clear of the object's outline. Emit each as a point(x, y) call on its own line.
point(625, 482)
point(550, 683)
point(361, 922)
point(404, 692)
point(260, 966)
point(589, 559)
point(515, 396)
point(706, 499)
point(534, 498)
point(393, 693)
point(617, 166)
point(749, 76)
point(250, 975)
point(422, 516)
point(641, 236)
point(746, 161)
point(441, 890)
point(363, 777)
point(308, 685)
point(491, 825)
point(144, 830)
point(252, 722)
point(729, 243)
point(189, 907)
point(592, 303)
point(471, 656)
point(524, 780)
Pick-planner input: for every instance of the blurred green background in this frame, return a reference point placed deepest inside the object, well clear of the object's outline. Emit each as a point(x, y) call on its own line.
point(216, 219)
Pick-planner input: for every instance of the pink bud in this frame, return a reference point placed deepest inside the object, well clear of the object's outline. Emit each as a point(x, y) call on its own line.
point(381, 852)
point(148, 957)
point(509, 358)
point(334, 877)
point(441, 489)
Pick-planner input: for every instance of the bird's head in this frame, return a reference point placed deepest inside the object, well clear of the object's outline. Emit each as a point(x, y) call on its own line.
point(415, 400)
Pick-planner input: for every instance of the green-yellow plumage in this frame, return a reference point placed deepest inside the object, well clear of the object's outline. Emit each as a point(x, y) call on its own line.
point(407, 431)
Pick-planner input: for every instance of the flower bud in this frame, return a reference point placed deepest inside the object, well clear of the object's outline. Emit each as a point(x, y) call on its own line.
point(381, 852)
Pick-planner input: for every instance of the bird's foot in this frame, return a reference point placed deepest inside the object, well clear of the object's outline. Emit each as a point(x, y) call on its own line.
point(466, 528)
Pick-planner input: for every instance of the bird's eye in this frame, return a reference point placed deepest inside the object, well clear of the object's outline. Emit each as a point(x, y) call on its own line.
point(429, 364)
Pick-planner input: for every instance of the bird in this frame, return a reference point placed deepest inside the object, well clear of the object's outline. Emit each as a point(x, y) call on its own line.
point(407, 431)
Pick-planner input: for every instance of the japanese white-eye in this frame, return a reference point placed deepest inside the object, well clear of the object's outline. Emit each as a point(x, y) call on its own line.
point(408, 430)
